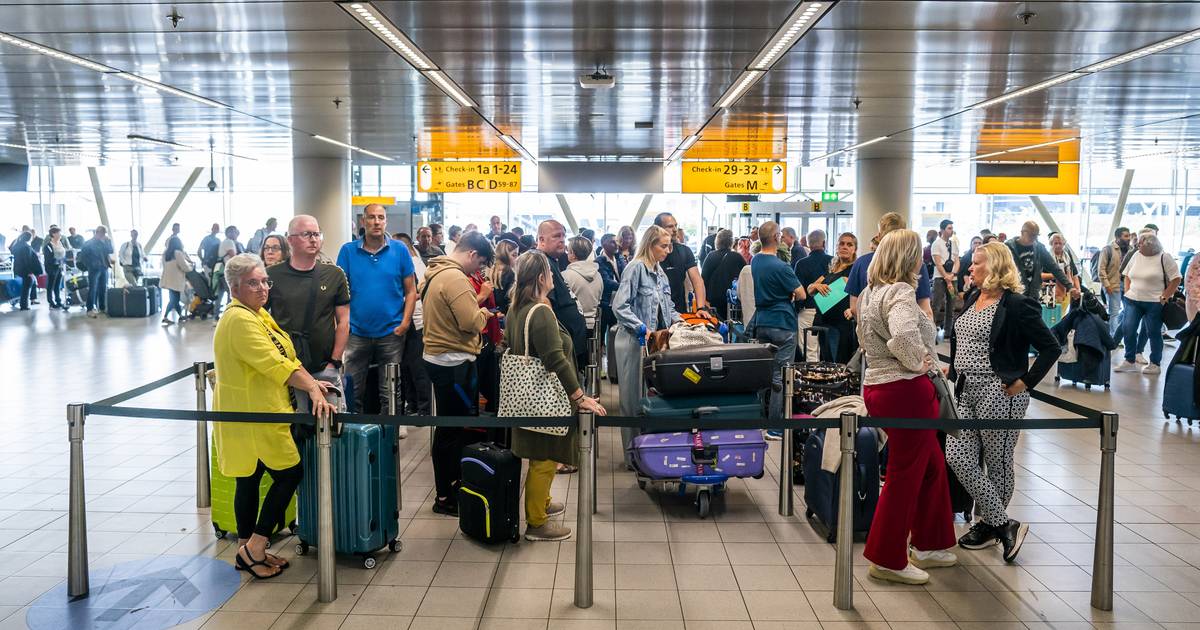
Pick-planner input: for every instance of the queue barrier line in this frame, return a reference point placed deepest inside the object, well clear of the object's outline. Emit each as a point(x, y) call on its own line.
point(586, 423)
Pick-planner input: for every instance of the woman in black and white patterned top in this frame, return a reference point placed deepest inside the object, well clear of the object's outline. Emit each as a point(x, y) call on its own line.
point(989, 356)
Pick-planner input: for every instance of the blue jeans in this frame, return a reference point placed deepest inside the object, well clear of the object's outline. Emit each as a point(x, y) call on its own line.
point(784, 339)
point(1113, 301)
point(1135, 312)
point(97, 289)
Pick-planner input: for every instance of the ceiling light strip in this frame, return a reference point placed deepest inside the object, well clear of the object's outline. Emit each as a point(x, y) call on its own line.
point(384, 29)
point(1172, 42)
point(57, 54)
point(747, 79)
point(450, 88)
point(515, 145)
point(1027, 90)
point(798, 23)
point(339, 143)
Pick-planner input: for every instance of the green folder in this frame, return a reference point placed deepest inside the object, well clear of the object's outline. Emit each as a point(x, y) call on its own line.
point(837, 293)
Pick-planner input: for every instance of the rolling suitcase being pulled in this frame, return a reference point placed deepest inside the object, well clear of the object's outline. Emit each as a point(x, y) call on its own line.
point(735, 368)
point(365, 512)
point(489, 494)
point(821, 488)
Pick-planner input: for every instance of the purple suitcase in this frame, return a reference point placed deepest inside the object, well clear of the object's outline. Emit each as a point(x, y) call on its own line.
point(734, 452)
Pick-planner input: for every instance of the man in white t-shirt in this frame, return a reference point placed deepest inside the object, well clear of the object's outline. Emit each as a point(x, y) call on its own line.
point(944, 251)
point(229, 248)
point(1151, 277)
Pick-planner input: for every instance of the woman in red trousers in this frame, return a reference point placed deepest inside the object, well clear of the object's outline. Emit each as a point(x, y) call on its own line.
point(896, 337)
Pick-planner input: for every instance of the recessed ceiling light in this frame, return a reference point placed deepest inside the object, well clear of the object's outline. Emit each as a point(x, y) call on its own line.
point(350, 146)
point(450, 88)
point(797, 24)
point(369, 16)
point(739, 87)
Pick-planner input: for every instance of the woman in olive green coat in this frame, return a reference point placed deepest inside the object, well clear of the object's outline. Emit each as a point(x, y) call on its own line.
point(549, 342)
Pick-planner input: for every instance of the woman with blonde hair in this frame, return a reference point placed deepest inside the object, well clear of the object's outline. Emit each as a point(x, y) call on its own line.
point(897, 337)
point(989, 362)
point(839, 319)
point(642, 304)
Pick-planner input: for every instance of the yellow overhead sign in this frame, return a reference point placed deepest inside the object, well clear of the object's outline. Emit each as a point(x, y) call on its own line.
point(734, 177)
point(444, 177)
point(1044, 170)
point(366, 201)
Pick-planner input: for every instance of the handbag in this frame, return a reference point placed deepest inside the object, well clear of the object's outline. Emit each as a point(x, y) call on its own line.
point(945, 392)
point(528, 389)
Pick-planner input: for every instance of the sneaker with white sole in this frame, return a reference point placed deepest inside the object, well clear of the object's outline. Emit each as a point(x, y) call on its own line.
point(548, 532)
point(1151, 369)
point(554, 508)
point(936, 559)
point(1126, 366)
point(1141, 359)
point(908, 575)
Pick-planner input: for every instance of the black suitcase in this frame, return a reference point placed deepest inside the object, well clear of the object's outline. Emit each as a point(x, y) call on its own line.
point(821, 488)
point(489, 495)
point(132, 302)
point(735, 368)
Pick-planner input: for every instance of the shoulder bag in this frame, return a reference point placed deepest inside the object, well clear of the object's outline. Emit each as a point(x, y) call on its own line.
point(528, 389)
point(300, 338)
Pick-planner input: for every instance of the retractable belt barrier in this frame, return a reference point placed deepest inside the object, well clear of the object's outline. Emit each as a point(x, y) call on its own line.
point(586, 423)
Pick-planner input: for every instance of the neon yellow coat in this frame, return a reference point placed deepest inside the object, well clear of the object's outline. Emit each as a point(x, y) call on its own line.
point(251, 376)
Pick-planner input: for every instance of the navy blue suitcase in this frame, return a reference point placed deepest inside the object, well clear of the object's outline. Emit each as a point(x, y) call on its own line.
point(1074, 372)
point(821, 487)
point(1179, 395)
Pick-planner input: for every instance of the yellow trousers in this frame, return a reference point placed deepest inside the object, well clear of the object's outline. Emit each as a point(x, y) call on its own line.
point(537, 490)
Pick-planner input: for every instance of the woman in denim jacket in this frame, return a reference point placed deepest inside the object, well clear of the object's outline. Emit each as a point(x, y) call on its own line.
point(643, 299)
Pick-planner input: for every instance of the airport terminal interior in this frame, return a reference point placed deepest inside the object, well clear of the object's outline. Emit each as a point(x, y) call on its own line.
point(737, 121)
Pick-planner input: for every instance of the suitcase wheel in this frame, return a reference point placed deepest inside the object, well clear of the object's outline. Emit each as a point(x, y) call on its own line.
point(301, 549)
point(396, 546)
point(641, 484)
point(1057, 378)
point(808, 513)
point(219, 532)
point(515, 538)
point(1088, 386)
point(369, 562)
point(703, 503)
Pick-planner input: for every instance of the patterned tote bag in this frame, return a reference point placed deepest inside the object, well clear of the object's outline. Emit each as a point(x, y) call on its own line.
point(527, 389)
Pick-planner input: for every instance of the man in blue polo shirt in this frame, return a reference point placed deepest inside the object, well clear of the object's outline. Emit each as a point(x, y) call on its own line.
point(776, 289)
point(382, 298)
point(858, 273)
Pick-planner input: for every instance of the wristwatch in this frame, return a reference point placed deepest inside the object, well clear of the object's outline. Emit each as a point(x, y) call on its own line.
point(337, 363)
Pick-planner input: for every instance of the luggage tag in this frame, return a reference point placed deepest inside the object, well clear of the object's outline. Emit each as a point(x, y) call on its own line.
point(692, 373)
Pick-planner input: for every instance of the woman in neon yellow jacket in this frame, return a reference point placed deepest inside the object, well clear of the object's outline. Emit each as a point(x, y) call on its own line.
point(256, 364)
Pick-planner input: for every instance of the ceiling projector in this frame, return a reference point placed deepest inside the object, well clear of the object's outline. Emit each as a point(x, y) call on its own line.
point(598, 80)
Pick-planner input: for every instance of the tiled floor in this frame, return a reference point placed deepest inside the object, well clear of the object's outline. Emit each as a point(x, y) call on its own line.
point(657, 565)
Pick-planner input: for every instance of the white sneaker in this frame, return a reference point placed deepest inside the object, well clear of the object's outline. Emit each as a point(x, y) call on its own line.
point(1141, 360)
point(908, 575)
point(1151, 369)
point(1126, 366)
point(938, 558)
point(402, 432)
point(92, 314)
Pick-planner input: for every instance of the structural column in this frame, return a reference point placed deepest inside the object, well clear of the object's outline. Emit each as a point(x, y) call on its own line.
point(321, 187)
point(884, 185)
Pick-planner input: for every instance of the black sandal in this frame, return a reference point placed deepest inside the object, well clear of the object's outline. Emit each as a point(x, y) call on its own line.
point(248, 566)
point(283, 563)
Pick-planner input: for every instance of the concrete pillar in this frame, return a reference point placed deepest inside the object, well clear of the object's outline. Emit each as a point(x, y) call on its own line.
point(884, 185)
point(321, 187)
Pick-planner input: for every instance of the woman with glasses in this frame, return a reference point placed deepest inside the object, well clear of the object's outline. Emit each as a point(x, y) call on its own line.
point(255, 365)
point(274, 249)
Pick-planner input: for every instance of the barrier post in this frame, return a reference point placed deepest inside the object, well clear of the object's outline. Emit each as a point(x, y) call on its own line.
point(843, 572)
point(583, 513)
point(591, 373)
point(326, 567)
point(1102, 561)
point(786, 454)
point(203, 490)
point(391, 378)
point(77, 553)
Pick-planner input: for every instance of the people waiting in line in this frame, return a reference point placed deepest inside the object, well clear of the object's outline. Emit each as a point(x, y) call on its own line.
point(74, 239)
point(719, 271)
point(26, 268)
point(964, 264)
point(255, 365)
point(414, 379)
point(453, 234)
point(488, 360)
point(207, 251)
point(1062, 257)
point(611, 267)
point(274, 249)
point(1151, 277)
point(54, 257)
point(791, 242)
point(425, 246)
point(945, 255)
point(812, 271)
point(532, 329)
point(680, 268)
point(132, 259)
point(552, 241)
point(453, 320)
point(626, 246)
point(1033, 259)
point(1108, 268)
point(502, 274)
point(260, 235)
point(175, 266)
point(383, 295)
point(897, 337)
point(583, 279)
point(1191, 287)
point(496, 228)
point(776, 291)
point(838, 320)
point(95, 258)
point(989, 356)
point(642, 305)
point(858, 273)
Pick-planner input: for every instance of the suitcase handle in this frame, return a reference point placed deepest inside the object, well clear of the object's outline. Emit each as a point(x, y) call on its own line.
point(702, 454)
point(708, 410)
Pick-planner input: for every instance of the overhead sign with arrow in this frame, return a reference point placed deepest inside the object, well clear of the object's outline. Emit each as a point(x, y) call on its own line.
point(469, 177)
point(734, 177)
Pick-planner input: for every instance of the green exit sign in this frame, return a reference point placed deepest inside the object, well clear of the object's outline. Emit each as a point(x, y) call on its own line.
point(829, 196)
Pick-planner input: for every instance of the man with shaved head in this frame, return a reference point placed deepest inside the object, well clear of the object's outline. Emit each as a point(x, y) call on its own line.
point(552, 241)
point(310, 300)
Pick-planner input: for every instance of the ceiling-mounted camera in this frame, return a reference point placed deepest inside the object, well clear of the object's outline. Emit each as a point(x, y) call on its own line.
point(212, 185)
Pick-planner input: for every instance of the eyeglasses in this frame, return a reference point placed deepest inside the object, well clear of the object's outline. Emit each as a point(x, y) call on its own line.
point(272, 248)
point(307, 235)
point(258, 284)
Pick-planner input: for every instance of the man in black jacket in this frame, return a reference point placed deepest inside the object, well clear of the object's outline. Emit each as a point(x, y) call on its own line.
point(552, 241)
point(1033, 259)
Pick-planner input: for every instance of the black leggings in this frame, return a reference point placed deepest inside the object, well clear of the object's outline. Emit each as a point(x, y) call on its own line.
point(456, 392)
point(268, 520)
